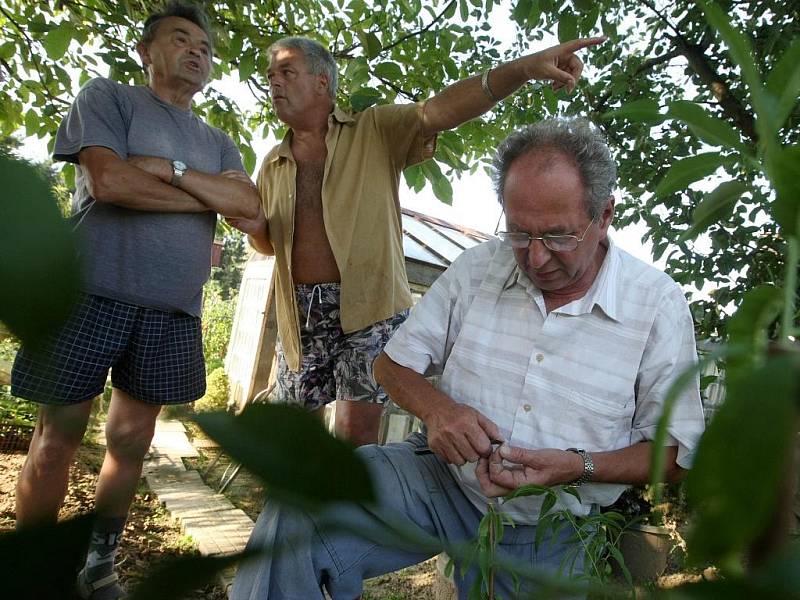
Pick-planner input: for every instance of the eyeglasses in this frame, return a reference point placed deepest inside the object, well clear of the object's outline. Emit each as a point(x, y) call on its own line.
point(556, 243)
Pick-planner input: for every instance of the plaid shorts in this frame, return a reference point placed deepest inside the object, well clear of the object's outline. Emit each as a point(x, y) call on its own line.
point(335, 365)
point(155, 356)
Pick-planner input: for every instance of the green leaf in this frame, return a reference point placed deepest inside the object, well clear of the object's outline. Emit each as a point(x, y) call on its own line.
point(63, 547)
point(32, 122)
point(748, 326)
point(645, 110)
point(783, 83)
point(442, 188)
point(714, 207)
point(530, 489)
point(783, 168)
point(550, 99)
point(247, 65)
point(248, 158)
point(567, 26)
point(370, 43)
point(56, 41)
point(688, 170)
point(292, 453)
point(708, 128)
point(364, 98)
point(39, 255)
point(742, 459)
point(389, 70)
point(463, 8)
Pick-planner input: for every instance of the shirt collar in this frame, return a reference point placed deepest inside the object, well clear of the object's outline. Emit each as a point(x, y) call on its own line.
point(284, 149)
point(604, 293)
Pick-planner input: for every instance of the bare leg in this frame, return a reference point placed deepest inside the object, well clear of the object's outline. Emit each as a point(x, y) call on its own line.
point(129, 431)
point(42, 482)
point(358, 422)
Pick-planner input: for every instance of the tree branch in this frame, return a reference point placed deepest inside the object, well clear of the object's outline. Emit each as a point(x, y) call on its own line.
point(731, 106)
point(699, 63)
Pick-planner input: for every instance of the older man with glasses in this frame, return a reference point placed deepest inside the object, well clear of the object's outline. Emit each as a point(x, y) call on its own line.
point(550, 340)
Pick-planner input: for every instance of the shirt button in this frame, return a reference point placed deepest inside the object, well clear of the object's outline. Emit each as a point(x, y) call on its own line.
point(526, 407)
point(539, 357)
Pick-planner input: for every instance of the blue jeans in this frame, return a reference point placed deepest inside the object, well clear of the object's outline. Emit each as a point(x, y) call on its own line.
point(417, 490)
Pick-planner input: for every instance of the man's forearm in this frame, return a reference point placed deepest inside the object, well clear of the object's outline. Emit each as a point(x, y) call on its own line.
point(124, 185)
point(632, 465)
point(234, 197)
point(226, 196)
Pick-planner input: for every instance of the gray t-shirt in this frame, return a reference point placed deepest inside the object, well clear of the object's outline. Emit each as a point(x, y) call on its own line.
point(152, 259)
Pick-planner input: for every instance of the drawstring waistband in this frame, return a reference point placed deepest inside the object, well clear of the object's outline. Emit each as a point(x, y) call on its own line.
point(317, 288)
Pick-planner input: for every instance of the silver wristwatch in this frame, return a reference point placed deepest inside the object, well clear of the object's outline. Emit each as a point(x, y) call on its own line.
point(588, 467)
point(178, 169)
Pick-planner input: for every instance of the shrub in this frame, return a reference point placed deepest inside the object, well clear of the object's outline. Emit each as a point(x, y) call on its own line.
point(217, 389)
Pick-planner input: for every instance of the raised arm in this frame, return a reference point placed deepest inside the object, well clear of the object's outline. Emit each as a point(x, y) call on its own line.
point(456, 432)
point(470, 98)
point(115, 181)
point(225, 193)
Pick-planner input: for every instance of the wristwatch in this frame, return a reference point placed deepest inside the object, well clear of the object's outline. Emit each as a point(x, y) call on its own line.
point(588, 467)
point(178, 169)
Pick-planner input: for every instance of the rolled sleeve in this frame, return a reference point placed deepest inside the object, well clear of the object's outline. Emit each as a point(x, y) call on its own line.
point(670, 352)
point(401, 126)
point(423, 342)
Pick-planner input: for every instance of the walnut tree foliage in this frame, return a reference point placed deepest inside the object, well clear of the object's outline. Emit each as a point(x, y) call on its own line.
point(659, 53)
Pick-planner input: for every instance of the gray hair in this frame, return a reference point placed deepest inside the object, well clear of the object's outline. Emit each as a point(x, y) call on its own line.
point(574, 137)
point(176, 8)
point(318, 59)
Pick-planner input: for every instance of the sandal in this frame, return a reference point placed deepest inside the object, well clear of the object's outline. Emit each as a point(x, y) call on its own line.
point(111, 590)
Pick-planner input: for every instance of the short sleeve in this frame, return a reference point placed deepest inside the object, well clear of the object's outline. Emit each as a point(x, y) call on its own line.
point(400, 126)
point(231, 157)
point(670, 352)
point(99, 116)
point(423, 342)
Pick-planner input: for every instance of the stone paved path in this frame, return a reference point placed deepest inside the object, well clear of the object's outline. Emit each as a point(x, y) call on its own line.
point(216, 525)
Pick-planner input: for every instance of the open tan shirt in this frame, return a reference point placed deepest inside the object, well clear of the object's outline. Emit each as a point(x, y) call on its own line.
point(361, 210)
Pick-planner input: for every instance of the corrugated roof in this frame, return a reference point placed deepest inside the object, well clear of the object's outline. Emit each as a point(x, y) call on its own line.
point(436, 242)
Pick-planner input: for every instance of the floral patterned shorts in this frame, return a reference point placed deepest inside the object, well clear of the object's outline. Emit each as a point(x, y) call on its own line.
point(335, 365)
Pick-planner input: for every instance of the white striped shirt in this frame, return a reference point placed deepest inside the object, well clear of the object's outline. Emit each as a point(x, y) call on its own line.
point(592, 374)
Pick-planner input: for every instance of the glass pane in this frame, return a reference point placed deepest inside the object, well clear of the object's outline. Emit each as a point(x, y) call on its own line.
point(432, 239)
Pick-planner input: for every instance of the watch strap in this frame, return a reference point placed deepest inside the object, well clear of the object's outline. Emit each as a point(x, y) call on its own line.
point(588, 467)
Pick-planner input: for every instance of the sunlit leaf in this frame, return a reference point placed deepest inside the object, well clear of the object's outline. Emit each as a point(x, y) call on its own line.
point(39, 255)
point(688, 170)
point(644, 109)
point(567, 26)
point(292, 453)
point(715, 206)
point(57, 41)
point(247, 65)
point(707, 127)
point(389, 70)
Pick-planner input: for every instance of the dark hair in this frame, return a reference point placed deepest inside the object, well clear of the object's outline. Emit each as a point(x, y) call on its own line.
point(176, 8)
point(573, 137)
